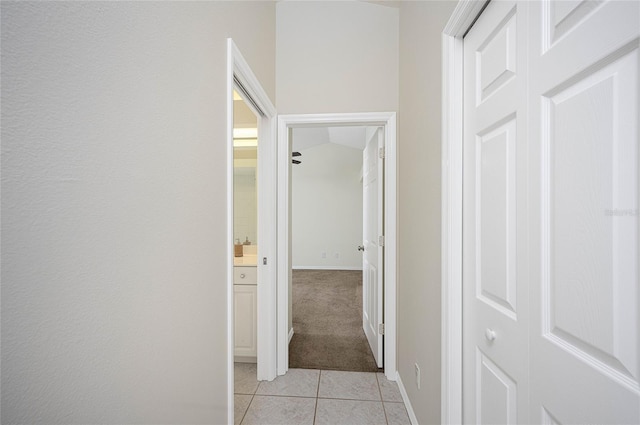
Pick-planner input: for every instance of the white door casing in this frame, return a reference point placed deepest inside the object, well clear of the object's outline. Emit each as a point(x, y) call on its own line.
point(372, 230)
point(562, 180)
point(495, 286)
point(459, 22)
point(387, 120)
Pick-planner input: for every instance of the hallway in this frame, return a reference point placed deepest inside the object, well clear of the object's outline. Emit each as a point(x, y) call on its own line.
point(117, 194)
point(305, 396)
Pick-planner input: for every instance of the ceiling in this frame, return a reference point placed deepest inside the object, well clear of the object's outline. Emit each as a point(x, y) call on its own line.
point(349, 136)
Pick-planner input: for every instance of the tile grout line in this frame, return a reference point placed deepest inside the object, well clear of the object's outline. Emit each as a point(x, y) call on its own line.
point(253, 395)
point(247, 409)
point(285, 395)
point(348, 399)
point(384, 410)
point(315, 411)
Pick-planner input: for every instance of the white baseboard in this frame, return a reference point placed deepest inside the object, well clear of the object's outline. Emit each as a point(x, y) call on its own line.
point(327, 268)
point(407, 403)
point(290, 335)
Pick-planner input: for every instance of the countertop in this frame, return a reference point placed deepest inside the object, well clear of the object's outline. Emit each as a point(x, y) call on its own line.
point(246, 260)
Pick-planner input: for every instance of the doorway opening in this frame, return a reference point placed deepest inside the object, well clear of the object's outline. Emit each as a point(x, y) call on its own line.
point(287, 125)
point(240, 78)
point(245, 229)
point(327, 321)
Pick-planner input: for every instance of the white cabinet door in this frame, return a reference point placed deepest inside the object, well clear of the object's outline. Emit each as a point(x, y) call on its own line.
point(245, 298)
point(495, 295)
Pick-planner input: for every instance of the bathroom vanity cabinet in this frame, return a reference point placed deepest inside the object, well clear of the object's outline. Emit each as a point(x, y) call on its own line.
point(245, 299)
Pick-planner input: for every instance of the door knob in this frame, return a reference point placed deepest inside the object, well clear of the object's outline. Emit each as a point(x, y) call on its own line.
point(361, 248)
point(490, 334)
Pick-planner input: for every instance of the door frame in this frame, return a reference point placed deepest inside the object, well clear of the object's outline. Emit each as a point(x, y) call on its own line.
point(285, 124)
point(239, 70)
point(461, 20)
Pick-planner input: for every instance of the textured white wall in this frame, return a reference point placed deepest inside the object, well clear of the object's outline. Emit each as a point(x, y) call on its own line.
point(419, 323)
point(326, 197)
point(336, 57)
point(113, 220)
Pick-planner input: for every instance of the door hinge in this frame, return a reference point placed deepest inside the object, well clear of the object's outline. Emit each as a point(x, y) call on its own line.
point(380, 240)
point(381, 328)
point(381, 153)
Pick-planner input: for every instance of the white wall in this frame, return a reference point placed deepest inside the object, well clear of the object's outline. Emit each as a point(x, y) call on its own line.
point(326, 197)
point(336, 57)
point(421, 24)
point(113, 220)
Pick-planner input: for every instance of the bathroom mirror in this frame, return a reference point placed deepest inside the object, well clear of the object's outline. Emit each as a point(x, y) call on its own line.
point(245, 159)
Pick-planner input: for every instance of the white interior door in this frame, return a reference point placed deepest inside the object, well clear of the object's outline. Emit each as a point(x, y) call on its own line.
point(585, 325)
point(495, 301)
point(372, 233)
point(550, 246)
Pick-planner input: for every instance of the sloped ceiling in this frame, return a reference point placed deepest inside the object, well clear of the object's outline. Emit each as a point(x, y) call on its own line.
point(305, 138)
point(351, 137)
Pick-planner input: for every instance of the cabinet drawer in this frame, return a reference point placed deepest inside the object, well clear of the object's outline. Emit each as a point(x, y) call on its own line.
point(245, 275)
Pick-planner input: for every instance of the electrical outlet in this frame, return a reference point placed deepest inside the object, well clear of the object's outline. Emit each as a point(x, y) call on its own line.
point(337, 255)
point(324, 255)
point(417, 375)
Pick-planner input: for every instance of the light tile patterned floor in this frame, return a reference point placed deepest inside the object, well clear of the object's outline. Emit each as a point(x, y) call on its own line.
point(306, 396)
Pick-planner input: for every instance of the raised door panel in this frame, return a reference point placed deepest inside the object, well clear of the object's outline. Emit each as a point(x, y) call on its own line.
point(496, 58)
point(561, 17)
point(245, 298)
point(496, 393)
point(591, 296)
point(496, 218)
point(370, 275)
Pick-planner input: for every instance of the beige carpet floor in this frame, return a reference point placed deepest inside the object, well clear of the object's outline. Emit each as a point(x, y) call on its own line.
point(327, 322)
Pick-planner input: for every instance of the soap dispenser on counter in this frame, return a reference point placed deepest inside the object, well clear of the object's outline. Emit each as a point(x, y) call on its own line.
point(237, 248)
point(247, 241)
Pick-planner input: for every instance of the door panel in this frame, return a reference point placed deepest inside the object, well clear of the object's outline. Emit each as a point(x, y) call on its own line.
point(496, 57)
point(585, 327)
point(372, 285)
point(564, 15)
point(495, 296)
point(591, 250)
point(497, 393)
point(496, 216)
point(245, 320)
